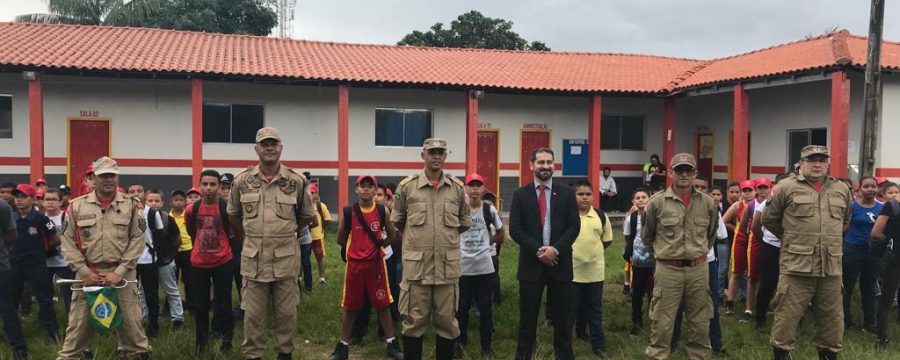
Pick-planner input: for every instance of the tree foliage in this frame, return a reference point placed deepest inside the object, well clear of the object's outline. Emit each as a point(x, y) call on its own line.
point(473, 30)
point(95, 12)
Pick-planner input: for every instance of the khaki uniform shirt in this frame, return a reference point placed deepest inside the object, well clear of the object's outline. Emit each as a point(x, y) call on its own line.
point(267, 209)
point(111, 239)
point(430, 219)
point(673, 232)
point(810, 225)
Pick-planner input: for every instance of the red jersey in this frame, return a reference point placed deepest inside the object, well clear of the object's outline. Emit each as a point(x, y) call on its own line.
point(359, 245)
point(211, 247)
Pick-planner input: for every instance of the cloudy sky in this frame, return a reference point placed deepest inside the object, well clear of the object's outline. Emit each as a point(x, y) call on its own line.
point(684, 28)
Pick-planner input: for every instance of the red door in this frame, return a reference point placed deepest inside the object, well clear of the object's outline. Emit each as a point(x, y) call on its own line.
point(88, 140)
point(488, 163)
point(529, 141)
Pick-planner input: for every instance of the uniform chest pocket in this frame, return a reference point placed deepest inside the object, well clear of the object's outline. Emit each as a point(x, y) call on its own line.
point(803, 206)
point(250, 205)
point(88, 229)
point(286, 204)
point(120, 223)
point(451, 213)
point(670, 221)
point(416, 213)
point(838, 207)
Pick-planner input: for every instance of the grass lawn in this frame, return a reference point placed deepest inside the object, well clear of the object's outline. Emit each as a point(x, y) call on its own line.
point(319, 322)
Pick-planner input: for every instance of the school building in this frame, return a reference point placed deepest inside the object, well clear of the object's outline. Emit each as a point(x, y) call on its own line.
point(167, 104)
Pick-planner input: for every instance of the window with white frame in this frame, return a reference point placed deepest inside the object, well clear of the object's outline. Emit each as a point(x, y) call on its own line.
point(622, 132)
point(231, 123)
point(402, 127)
point(5, 117)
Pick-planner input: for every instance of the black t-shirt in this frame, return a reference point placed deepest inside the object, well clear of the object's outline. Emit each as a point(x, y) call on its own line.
point(892, 230)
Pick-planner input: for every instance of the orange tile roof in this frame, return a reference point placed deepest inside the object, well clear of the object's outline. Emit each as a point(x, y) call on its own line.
point(123, 49)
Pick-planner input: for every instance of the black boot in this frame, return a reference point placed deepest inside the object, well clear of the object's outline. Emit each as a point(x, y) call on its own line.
point(412, 348)
point(825, 354)
point(443, 348)
point(285, 356)
point(781, 354)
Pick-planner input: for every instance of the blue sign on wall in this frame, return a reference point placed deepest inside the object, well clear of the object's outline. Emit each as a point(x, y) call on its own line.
point(575, 157)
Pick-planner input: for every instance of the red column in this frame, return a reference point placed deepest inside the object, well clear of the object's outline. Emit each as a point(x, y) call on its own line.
point(196, 129)
point(741, 143)
point(668, 133)
point(36, 127)
point(471, 133)
point(840, 122)
point(594, 146)
point(343, 144)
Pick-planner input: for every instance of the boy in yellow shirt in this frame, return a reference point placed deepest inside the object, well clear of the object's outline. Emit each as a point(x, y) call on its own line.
point(588, 265)
point(318, 232)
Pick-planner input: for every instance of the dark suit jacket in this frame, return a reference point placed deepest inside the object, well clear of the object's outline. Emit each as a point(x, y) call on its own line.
point(525, 230)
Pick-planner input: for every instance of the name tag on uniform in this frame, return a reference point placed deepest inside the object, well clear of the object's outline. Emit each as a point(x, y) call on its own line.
point(86, 216)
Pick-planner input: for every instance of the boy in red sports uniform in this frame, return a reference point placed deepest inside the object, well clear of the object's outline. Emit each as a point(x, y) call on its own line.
point(735, 215)
point(364, 231)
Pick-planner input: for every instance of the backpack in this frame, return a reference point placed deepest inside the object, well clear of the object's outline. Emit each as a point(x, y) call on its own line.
point(191, 224)
point(348, 224)
point(163, 250)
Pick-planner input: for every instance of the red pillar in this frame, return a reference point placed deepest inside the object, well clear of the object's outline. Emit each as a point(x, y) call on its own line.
point(471, 133)
point(343, 144)
point(840, 122)
point(594, 146)
point(668, 133)
point(196, 129)
point(36, 127)
point(741, 143)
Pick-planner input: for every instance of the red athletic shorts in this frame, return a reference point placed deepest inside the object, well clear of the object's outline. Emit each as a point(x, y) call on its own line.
point(319, 249)
point(753, 261)
point(739, 254)
point(366, 281)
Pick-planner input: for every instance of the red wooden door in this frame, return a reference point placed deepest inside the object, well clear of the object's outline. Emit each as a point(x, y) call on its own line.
point(529, 141)
point(88, 140)
point(488, 161)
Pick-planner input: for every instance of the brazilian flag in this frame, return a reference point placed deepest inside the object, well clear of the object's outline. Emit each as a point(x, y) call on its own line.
point(103, 308)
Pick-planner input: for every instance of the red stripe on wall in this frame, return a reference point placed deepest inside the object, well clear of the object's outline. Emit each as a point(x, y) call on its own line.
point(887, 172)
point(771, 170)
point(720, 168)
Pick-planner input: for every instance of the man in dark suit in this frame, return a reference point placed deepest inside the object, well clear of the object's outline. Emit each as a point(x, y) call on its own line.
point(544, 221)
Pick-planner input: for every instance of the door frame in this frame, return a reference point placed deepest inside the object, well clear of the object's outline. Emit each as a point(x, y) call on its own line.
point(69, 121)
point(549, 145)
point(497, 162)
point(712, 172)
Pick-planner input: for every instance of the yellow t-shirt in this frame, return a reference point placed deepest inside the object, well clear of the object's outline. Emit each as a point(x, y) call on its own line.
point(587, 251)
point(186, 244)
point(318, 232)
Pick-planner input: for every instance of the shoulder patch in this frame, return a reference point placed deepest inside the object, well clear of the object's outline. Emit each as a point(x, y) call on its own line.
point(408, 179)
point(243, 171)
point(142, 224)
point(455, 180)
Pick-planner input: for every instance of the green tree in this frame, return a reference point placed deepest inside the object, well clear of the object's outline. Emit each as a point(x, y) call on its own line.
point(473, 30)
point(250, 17)
point(95, 12)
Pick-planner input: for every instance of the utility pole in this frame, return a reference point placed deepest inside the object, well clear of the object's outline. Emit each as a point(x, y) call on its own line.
point(873, 92)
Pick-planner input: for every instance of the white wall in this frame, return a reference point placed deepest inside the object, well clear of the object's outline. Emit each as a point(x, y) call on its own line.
point(888, 146)
point(18, 146)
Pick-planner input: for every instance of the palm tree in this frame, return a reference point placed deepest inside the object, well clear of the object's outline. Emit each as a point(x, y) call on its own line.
point(95, 12)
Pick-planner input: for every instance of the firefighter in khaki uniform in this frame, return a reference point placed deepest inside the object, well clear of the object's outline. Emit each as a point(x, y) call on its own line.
point(266, 211)
point(431, 211)
point(103, 236)
point(679, 230)
point(808, 213)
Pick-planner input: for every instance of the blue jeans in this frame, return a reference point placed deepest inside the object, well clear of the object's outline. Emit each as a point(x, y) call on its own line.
point(306, 265)
point(715, 330)
point(723, 252)
point(857, 263)
point(12, 326)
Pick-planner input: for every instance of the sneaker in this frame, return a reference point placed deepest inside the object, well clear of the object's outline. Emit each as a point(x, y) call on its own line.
point(636, 329)
point(393, 350)
point(321, 280)
point(747, 317)
point(626, 290)
point(459, 350)
point(729, 307)
point(760, 326)
point(881, 344)
point(177, 324)
point(355, 340)
point(88, 354)
point(601, 353)
point(226, 346)
point(720, 354)
point(869, 328)
point(341, 352)
point(238, 314)
point(20, 354)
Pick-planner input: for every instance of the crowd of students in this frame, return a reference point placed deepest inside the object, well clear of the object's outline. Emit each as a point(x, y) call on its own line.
point(743, 265)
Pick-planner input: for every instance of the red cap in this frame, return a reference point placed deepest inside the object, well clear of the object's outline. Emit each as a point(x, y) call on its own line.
point(39, 193)
point(748, 184)
point(193, 190)
point(313, 187)
point(40, 181)
point(764, 181)
point(474, 177)
point(119, 189)
point(90, 169)
point(367, 176)
point(881, 180)
point(389, 192)
point(24, 189)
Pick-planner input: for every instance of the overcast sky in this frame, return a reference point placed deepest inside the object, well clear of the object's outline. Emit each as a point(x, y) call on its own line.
point(685, 28)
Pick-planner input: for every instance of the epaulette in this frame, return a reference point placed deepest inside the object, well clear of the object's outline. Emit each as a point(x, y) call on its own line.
point(243, 171)
point(455, 180)
point(408, 179)
point(80, 197)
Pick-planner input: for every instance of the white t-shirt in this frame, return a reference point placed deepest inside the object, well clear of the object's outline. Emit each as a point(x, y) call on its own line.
point(59, 260)
point(475, 244)
point(721, 234)
point(768, 237)
point(146, 258)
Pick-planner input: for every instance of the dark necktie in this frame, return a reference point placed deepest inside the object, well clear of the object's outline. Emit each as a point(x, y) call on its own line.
point(542, 203)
